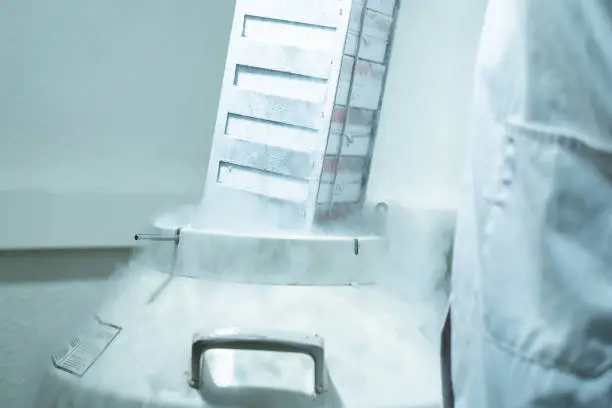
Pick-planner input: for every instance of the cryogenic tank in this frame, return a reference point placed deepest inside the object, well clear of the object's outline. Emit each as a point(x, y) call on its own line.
point(268, 293)
point(215, 320)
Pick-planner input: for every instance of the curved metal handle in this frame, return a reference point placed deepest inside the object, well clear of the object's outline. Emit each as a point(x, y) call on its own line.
point(287, 342)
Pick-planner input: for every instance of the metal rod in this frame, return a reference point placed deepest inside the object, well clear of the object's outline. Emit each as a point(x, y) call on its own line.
point(158, 237)
point(153, 237)
point(175, 253)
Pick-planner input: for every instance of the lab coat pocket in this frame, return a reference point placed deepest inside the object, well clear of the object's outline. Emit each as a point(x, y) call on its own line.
point(546, 254)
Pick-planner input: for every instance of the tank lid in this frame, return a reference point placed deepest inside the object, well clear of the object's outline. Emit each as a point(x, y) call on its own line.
point(275, 258)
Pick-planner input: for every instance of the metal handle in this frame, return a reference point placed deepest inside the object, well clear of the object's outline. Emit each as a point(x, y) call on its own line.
point(287, 342)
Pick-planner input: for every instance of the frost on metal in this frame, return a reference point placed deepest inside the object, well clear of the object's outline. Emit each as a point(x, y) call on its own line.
point(299, 106)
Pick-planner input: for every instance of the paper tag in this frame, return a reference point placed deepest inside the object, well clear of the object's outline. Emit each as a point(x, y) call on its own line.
point(85, 348)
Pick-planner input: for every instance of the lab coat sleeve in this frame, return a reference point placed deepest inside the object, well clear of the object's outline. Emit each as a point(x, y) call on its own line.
point(532, 273)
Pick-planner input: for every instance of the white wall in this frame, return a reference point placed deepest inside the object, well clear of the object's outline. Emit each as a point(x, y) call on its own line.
point(107, 108)
point(106, 113)
point(424, 125)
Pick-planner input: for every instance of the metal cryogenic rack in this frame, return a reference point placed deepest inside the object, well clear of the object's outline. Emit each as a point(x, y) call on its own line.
point(300, 102)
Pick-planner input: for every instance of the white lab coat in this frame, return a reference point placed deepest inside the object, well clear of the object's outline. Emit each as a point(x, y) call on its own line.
point(532, 277)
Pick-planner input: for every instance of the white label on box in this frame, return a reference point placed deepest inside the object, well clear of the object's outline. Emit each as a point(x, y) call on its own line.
point(85, 348)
